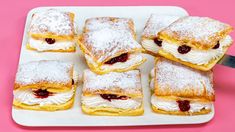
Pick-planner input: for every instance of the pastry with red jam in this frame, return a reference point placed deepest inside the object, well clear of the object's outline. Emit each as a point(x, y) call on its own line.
point(197, 42)
point(112, 94)
point(149, 40)
point(52, 30)
point(109, 45)
point(180, 90)
point(46, 85)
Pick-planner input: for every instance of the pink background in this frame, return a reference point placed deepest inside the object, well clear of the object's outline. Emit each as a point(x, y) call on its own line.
point(13, 15)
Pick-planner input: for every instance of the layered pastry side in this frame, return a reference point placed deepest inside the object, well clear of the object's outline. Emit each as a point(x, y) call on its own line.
point(180, 90)
point(198, 42)
point(149, 40)
point(112, 94)
point(52, 30)
point(109, 45)
point(46, 85)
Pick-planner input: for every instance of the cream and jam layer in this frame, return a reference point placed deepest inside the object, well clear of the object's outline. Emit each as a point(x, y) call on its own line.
point(150, 45)
point(131, 60)
point(111, 101)
point(179, 105)
point(196, 56)
point(42, 97)
point(50, 44)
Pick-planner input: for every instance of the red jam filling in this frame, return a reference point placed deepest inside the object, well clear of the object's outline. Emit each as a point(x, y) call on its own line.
point(216, 46)
point(157, 42)
point(121, 58)
point(72, 82)
point(184, 105)
point(184, 49)
point(109, 97)
point(50, 40)
point(42, 93)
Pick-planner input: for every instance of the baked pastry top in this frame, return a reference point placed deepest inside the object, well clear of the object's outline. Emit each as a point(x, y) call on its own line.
point(156, 23)
point(197, 32)
point(45, 73)
point(107, 43)
point(125, 83)
point(175, 79)
point(98, 23)
point(52, 23)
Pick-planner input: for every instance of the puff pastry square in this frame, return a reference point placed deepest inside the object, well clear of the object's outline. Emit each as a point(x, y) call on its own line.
point(180, 90)
point(198, 42)
point(52, 30)
point(46, 85)
point(155, 24)
point(109, 44)
point(112, 94)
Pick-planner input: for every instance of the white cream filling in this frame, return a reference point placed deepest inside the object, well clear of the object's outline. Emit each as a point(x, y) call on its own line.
point(195, 56)
point(132, 60)
point(172, 105)
point(42, 45)
point(27, 97)
point(149, 45)
point(97, 101)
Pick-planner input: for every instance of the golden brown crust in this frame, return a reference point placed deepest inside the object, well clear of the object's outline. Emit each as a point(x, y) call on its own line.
point(44, 83)
point(107, 111)
point(204, 111)
point(47, 34)
point(113, 84)
point(188, 91)
point(64, 106)
point(197, 32)
point(96, 55)
point(128, 23)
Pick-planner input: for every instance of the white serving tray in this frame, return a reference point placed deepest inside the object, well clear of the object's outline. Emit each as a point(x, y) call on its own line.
point(74, 116)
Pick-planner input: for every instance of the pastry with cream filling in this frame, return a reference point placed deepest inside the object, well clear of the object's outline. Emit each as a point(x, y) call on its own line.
point(180, 90)
point(46, 85)
point(198, 42)
point(112, 94)
point(109, 45)
point(155, 23)
point(52, 30)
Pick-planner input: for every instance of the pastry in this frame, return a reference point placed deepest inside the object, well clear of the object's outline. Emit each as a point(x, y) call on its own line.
point(198, 42)
point(109, 45)
point(180, 90)
point(46, 85)
point(155, 23)
point(112, 94)
point(52, 30)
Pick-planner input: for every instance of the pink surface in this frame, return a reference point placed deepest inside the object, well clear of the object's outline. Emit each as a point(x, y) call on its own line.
point(13, 15)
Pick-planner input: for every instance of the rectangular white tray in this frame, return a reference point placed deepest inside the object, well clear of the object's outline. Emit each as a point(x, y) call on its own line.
point(74, 116)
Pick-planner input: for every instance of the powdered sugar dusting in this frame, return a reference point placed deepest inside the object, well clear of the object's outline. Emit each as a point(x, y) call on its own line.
point(53, 21)
point(38, 71)
point(127, 81)
point(156, 23)
point(108, 42)
point(200, 29)
point(107, 22)
point(179, 78)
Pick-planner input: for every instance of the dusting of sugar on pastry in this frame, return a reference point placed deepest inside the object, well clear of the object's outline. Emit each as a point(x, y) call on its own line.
point(38, 71)
point(176, 77)
point(107, 22)
point(156, 23)
point(199, 29)
point(52, 21)
point(126, 81)
point(108, 42)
